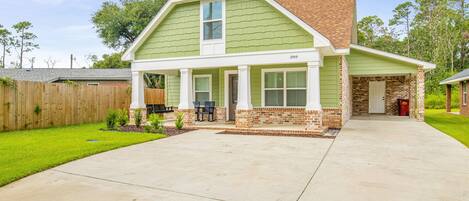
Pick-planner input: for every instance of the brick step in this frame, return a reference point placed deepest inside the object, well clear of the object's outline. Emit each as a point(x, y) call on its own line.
point(268, 132)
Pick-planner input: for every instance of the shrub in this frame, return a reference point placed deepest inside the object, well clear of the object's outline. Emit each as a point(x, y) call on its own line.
point(111, 119)
point(122, 117)
point(138, 117)
point(156, 124)
point(7, 82)
point(438, 101)
point(180, 121)
point(37, 110)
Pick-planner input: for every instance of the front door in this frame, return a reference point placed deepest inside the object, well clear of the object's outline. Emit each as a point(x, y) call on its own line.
point(377, 93)
point(233, 96)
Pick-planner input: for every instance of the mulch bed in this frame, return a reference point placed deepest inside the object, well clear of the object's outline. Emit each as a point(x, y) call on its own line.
point(167, 131)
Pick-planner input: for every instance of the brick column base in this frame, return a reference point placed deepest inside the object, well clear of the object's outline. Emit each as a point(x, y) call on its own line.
point(189, 116)
point(313, 119)
point(143, 112)
point(244, 118)
point(220, 114)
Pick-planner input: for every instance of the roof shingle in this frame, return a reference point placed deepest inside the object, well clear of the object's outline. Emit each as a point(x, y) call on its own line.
point(55, 74)
point(332, 18)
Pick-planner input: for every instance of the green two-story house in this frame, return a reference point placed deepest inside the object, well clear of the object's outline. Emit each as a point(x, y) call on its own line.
point(264, 62)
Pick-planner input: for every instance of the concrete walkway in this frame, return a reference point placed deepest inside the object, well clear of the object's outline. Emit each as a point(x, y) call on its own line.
point(370, 160)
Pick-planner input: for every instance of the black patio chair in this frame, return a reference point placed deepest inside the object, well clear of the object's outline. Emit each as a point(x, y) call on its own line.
point(209, 109)
point(197, 109)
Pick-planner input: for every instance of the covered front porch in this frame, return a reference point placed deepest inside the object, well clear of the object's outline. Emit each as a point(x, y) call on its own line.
point(268, 91)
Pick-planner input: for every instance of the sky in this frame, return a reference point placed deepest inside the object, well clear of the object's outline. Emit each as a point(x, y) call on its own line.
point(64, 27)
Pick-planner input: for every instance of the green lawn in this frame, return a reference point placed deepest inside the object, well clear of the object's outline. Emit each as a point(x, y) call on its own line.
point(456, 126)
point(23, 153)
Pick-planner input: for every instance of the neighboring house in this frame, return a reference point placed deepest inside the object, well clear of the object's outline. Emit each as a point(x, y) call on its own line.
point(286, 62)
point(80, 76)
point(461, 79)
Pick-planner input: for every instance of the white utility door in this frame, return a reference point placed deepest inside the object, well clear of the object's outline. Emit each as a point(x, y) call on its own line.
point(377, 96)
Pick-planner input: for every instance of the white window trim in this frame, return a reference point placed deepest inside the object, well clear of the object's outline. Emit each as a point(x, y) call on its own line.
point(223, 18)
point(209, 87)
point(464, 92)
point(284, 70)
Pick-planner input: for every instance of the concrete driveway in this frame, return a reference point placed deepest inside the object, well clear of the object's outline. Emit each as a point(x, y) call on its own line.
point(370, 160)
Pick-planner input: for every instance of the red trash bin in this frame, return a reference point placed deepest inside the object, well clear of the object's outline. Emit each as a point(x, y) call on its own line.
point(403, 107)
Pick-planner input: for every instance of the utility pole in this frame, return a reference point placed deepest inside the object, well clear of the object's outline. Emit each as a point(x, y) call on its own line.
point(71, 60)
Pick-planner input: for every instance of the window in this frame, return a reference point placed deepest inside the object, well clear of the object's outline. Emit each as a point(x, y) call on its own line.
point(464, 93)
point(212, 20)
point(202, 88)
point(284, 88)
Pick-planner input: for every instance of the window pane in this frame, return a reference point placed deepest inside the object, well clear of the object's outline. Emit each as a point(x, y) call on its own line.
point(296, 98)
point(274, 98)
point(202, 84)
point(273, 80)
point(213, 10)
point(213, 30)
point(296, 79)
point(202, 97)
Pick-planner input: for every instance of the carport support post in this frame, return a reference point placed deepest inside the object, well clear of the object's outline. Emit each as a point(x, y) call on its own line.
point(313, 113)
point(420, 93)
point(138, 97)
point(448, 98)
point(185, 97)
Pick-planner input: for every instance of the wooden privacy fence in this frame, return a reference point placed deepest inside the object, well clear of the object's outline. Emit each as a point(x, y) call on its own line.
point(32, 105)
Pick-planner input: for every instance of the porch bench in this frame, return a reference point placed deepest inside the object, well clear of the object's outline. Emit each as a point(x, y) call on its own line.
point(159, 109)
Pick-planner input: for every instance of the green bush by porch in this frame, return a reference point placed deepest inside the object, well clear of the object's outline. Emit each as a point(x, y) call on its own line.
point(27, 152)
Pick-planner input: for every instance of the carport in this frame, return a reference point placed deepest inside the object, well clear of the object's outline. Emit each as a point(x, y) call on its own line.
point(378, 80)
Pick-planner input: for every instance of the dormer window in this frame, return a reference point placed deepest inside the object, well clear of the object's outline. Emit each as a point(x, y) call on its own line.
point(212, 20)
point(212, 27)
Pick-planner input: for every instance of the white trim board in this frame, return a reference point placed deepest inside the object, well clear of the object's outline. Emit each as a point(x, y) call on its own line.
point(217, 61)
point(426, 65)
point(320, 41)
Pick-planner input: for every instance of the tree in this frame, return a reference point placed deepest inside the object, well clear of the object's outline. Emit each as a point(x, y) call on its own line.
point(24, 40)
point(119, 24)
point(402, 16)
point(369, 29)
point(111, 61)
point(50, 62)
point(5, 42)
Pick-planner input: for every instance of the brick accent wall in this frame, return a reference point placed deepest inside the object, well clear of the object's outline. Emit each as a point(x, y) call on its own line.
point(332, 118)
point(244, 119)
point(313, 119)
point(189, 116)
point(346, 93)
point(420, 93)
point(220, 114)
point(279, 116)
point(464, 108)
point(132, 116)
point(397, 87)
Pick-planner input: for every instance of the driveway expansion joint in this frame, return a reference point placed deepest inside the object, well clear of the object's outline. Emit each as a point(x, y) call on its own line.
point(135, 185)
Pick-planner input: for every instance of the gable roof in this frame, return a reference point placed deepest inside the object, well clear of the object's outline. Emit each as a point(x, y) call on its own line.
point(464, 75)
point(56, 74)
point(426, 65)
point(297, 10)
point(332, 18)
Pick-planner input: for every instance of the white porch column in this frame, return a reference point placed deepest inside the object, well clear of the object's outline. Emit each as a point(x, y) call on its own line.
point(138, 91)
point(313, 91)
point(244, 88)
point(185, 95)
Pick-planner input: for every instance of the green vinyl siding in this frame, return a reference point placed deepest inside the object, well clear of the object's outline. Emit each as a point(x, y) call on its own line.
point(172, 89)
point(330, 82)
point(177, 36)
point(361, 63)
point(254, 25)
